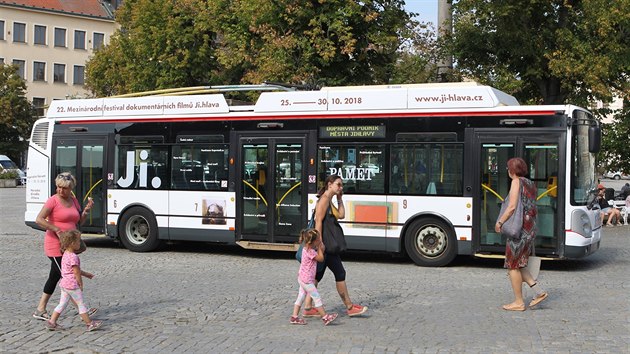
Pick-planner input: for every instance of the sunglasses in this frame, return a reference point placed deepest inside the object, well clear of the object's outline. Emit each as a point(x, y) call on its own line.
point(66, 177)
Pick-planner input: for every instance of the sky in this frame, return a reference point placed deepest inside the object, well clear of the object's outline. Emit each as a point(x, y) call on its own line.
point(427, 9)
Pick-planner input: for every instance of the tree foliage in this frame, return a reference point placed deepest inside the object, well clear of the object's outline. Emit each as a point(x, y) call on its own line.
point(546, 51)
point(174, 43)
point(16, 113)
point(330, 42)
point(615, 154)
point(160, 44)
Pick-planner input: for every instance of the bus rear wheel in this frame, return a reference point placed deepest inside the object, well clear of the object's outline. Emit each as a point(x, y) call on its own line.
point(138, 230)
point(430, 242)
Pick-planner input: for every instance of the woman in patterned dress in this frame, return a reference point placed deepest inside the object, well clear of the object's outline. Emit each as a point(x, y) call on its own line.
point(517, 251)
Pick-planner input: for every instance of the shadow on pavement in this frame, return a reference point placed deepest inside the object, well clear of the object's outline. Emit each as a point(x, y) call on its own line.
point(585, 264)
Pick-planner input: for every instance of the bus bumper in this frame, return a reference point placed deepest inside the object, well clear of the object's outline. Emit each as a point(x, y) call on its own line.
point(578, 246)
point(580, 251)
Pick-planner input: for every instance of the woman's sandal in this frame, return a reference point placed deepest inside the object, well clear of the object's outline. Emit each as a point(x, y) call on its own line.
point(512, 307)
point(538, 299)
point(41, 315)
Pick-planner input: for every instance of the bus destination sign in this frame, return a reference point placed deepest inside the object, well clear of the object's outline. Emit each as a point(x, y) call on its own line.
point(352, 131)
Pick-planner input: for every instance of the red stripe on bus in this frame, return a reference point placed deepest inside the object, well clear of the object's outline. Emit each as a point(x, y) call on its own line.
point(97, 120)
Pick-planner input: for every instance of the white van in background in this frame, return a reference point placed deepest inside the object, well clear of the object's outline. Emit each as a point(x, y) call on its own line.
point(7, 164)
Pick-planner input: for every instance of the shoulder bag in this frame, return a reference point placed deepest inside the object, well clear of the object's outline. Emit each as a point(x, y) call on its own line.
point(310, 225)
point(513, 226)
point(333, 236)
point(533, 263)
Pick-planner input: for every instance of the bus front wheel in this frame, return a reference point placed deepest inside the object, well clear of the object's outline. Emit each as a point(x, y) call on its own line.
point(430, 242)
point(138, 230)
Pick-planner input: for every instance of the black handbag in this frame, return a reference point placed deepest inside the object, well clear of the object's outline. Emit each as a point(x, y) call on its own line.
point(333, 236)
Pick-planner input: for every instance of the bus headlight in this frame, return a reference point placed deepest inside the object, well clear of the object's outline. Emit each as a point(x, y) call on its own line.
point(581, 223)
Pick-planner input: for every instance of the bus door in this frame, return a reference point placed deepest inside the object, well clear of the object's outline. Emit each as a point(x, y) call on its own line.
point(542, 151)
point(85, 159)
point(271, 188)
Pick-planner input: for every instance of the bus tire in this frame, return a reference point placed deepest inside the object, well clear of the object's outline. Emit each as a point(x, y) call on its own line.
point(138, 230)
point(430, 242)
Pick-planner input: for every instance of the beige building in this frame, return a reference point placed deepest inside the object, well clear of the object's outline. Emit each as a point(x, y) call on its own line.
point(51, 40)
point(615, 105)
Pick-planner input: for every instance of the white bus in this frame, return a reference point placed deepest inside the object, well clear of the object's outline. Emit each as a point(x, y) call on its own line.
point(424, 167)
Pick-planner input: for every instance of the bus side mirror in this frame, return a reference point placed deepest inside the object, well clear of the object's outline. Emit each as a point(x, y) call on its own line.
point(594, 138)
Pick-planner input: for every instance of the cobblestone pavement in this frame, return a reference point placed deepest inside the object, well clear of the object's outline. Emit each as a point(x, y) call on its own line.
point(202, 298)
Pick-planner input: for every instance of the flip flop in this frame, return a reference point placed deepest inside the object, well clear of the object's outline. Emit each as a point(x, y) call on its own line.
point(538, 299)
point(510, 307)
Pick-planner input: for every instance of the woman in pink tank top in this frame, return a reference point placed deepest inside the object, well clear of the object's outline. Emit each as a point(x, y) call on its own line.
point(61, 212)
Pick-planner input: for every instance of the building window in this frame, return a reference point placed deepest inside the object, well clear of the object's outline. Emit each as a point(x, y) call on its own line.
point(59, 74)
point(21, 64)
point(39, 71)
point(38, 104)
point(2, 61)
point(79, 75)
point(79, 39)
point(39, 37)
point(60, 37)
point(99, 39)
point(19, 32)
point(1, 30)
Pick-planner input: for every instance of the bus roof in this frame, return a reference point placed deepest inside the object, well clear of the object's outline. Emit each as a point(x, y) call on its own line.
point(338, 99)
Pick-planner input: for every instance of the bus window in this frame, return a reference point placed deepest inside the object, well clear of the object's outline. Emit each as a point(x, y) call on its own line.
point(360, 166)
point(200, 167)
point(426, 169)
point(142, 166)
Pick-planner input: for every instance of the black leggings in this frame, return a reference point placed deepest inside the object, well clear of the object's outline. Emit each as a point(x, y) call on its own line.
point(54, 276)
point(333, 262)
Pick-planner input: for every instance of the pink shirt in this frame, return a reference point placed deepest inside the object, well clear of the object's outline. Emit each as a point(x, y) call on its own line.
point(68, 280)
point(64, 218)
point(308, 267)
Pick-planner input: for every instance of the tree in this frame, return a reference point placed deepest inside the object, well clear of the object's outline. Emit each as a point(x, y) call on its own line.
point(418, 57)
point(615, 152)
point(174, 43)
point(546, 51)
point(16, 113)
point(323, 42)
point(160, 44)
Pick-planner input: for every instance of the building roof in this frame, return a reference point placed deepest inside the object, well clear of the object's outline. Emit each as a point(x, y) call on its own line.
point(89, 8)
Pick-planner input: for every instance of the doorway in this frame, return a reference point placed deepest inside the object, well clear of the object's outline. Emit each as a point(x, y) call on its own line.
point(542, 153)
point(85, 159)
point(271, 188)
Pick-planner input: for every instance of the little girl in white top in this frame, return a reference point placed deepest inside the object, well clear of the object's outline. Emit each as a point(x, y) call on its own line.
point(312, 253)
point(71, 282)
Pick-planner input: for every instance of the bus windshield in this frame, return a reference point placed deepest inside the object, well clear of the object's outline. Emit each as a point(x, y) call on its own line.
point(583, 177)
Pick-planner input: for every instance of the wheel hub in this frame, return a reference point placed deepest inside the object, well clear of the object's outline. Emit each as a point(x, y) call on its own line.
point(137, 230)
point(431, 241)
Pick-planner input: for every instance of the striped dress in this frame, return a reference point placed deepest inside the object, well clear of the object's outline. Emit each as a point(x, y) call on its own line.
point(517, 251)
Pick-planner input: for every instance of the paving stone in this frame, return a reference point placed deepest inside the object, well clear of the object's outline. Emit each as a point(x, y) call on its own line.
point(200, 298)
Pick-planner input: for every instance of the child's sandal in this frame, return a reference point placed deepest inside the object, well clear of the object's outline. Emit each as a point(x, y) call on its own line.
point(328, 318)
point(297, 321)
point(54, 326)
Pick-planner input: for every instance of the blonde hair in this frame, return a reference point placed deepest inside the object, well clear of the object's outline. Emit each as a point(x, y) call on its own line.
point(65, 180)
point(308, 236)
point(66, 238)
